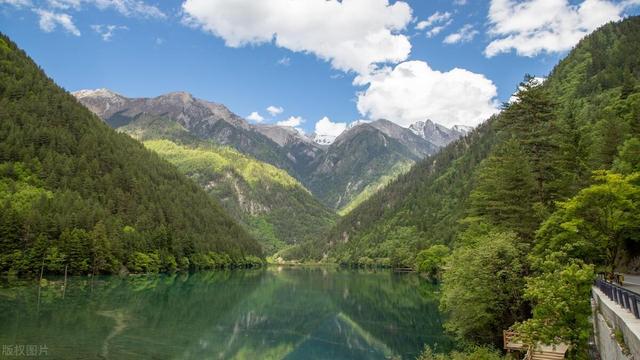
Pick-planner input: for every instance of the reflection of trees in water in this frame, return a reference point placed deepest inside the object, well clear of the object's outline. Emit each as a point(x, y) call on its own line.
point(232, 314)
point(400, 309)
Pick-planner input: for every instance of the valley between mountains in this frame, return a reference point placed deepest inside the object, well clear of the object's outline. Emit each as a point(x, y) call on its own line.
point(283, 186)
point(511, 220)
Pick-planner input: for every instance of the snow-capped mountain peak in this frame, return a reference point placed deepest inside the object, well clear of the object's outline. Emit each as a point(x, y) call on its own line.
point(437, 134)
point(465, 129)
point(324, 139)
point(328, 139)
point(102, 93)
point(356, 123)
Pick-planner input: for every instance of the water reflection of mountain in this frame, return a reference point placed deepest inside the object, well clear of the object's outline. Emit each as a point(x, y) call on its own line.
point(292, 313)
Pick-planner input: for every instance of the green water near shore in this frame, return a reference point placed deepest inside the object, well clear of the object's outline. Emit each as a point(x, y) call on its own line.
point(273, 313)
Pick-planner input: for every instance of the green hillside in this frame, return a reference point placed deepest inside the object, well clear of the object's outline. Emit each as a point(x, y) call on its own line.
point(529, 205)
point(384, 180)
point(273, 206)
point(76, 194)
point(593, 98)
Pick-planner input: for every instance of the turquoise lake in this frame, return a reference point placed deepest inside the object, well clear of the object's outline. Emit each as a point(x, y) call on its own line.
point(272, 313)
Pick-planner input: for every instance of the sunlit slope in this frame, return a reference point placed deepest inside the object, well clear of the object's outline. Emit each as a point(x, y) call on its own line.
point(271, 205)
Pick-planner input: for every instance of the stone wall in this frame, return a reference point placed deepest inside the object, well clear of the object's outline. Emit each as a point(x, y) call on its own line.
point(609, 316)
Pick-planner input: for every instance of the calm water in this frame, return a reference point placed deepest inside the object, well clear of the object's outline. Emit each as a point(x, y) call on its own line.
point(274, 313)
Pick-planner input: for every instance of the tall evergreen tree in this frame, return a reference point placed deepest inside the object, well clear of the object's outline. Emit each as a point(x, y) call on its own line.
point(530, 118)
point(505, 192)
point(571, 160)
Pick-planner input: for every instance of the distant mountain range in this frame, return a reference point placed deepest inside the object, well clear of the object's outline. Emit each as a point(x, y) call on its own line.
point(336, 170)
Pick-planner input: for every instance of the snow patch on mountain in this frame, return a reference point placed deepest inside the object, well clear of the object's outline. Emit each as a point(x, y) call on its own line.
point(437, 134)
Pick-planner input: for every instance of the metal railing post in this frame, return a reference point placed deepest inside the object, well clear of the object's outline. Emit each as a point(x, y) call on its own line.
point(627, 303)
point(627, 299)
point(634, 306)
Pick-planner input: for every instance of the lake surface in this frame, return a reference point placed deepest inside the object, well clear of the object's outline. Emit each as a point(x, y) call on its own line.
point(273, 313)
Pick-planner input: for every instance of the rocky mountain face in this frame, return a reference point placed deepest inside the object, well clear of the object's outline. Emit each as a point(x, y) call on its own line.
point(201, 118)
point(336, 169)
point(437, 134)
point(362, 155)
point(300, 150)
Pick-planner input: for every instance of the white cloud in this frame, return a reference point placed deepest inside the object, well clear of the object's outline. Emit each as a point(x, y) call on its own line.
point(422, 25)
point(435, 18)
point(534, 26)
point(465, 34)
point(17, 3)
point(350, 34)
point(535, 81)
point(137, 8)
point(255, 116)
point(275, 110)
point(50, 20)
point(438, 29)
point(64, 4)
point(292, 121)
point(129, 8)
point(326, 127)
point(159, 41)
point(106, 31)
point(413, 91)
point(285, 61)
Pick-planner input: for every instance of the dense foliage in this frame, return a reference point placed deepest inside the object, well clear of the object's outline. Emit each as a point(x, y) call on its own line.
point(432, 260)
point(75, 194)
point(473, 353)
point(553, 176)
point(559, 293)
point(483, 285)
point(274, 207)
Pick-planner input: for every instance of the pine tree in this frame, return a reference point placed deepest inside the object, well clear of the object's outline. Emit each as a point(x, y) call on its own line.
point(571, 158)
point(505, 193)
point(531, 120)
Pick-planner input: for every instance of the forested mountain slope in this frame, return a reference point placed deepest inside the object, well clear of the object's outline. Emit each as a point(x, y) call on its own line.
point(273, 206)
point(76, 194)
point(421, 207)
point(586, 110)
point(517, 217)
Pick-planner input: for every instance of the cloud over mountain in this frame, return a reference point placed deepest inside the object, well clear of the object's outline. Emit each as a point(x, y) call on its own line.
point(352, 35)
point(412, 91)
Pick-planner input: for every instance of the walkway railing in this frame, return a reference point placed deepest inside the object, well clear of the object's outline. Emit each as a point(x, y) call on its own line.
point(626, 298)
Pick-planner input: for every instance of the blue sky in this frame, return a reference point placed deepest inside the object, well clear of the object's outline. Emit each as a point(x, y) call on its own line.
point(225, 51)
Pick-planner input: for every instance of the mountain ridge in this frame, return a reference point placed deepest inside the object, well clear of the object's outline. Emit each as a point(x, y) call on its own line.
point(284, 147)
